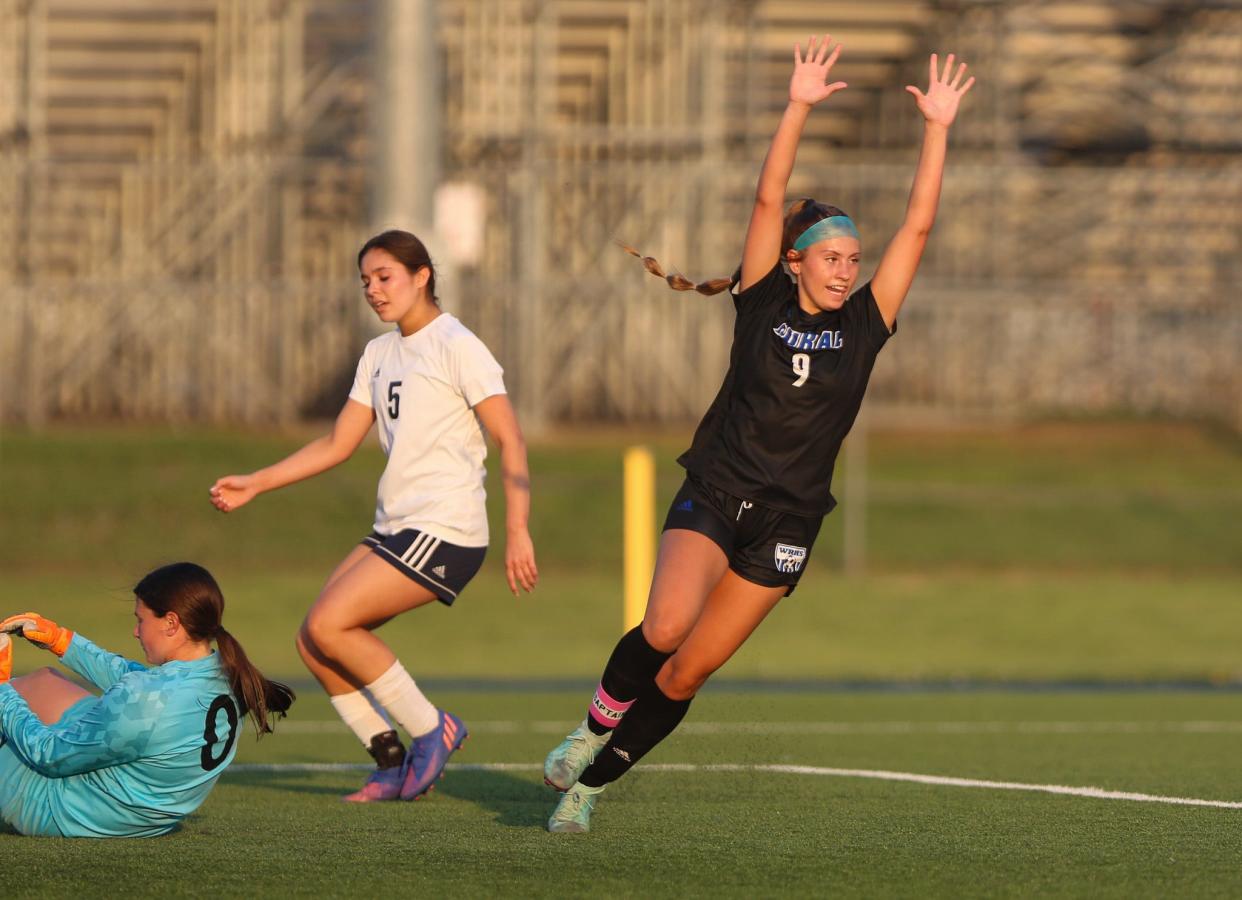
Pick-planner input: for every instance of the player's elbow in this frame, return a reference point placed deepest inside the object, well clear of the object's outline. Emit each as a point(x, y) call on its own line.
point(769, 199)
point(337, 449)
point(919, 227)
point(512, 446)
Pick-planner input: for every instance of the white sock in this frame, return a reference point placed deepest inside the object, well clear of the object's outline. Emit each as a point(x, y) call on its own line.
point(362, 715)
point(396, 691)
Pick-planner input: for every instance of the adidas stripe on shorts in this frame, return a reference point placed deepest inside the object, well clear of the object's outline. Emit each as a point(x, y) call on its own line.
point(441, 567)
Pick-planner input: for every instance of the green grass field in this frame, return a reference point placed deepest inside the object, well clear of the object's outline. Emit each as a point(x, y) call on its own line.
point(744, 832)
point(1049, 555)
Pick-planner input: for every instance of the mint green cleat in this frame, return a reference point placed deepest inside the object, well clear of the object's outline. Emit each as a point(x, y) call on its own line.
point(573, 813)
point(570, 757)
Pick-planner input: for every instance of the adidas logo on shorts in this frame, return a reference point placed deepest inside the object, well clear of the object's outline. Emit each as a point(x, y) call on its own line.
point(439, 571)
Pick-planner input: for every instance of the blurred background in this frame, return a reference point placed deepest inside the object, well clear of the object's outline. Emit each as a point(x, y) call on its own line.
point(1046, 480)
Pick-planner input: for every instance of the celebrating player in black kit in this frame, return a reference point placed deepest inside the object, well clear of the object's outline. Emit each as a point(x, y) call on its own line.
point(759, 470)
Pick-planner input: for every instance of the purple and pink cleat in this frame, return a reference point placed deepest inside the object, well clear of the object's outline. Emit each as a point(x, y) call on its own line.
point(382, 784)
point(428, 754)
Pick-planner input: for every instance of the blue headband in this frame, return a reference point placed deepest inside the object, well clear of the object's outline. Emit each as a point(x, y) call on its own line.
point(832, 227)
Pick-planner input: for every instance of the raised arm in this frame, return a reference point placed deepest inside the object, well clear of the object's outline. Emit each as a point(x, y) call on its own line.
point(496, 414)
point(806, 88)
point(351, 426)
point(901, 258)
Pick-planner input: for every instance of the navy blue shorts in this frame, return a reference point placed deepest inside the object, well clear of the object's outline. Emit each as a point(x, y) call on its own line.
point(765, 546)
point(443, 568)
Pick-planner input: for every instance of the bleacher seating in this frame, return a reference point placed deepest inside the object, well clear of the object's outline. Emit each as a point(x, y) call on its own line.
point(229, 143)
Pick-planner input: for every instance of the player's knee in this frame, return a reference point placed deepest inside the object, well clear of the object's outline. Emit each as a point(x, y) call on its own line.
point(302, 641)
point(663, 635)
point(680, 679)
point(33, 680)
point(317, 634)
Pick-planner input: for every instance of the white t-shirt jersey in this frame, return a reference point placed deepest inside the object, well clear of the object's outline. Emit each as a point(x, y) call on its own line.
point(423, 389)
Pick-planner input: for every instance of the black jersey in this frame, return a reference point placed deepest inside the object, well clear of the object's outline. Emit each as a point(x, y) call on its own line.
point(794, 385)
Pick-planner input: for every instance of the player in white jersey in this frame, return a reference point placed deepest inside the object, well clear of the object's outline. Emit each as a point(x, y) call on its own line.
point(432, 387)
point(137, 760)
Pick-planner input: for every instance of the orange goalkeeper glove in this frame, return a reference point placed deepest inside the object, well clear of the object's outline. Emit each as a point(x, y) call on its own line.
point(6, 658)
point(39, 631)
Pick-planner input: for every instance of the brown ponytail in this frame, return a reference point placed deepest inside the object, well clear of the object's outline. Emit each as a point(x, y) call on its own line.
point(802, 214)
point(677, 281)
point(191, 592)
point(258, 696)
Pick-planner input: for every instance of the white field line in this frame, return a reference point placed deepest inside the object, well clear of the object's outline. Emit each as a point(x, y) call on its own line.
point(875, 774)
point(327, 726)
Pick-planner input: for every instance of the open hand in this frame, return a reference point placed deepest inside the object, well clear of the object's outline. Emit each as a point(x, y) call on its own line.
point(939, 104)
point(520, 568)
point(807, 84)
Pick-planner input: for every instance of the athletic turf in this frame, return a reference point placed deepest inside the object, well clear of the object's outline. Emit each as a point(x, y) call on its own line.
point(1051, 554)
point(706, 832)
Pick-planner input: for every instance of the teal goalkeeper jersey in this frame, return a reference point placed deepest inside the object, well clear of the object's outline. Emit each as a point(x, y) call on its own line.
point(131, 763)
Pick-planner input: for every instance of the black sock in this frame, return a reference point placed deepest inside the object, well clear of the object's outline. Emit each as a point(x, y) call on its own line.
point(632, 666)
point(386, 750)
point(652, 719)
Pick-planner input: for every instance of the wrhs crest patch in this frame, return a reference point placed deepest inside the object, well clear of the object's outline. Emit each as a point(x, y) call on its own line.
point(789, 558)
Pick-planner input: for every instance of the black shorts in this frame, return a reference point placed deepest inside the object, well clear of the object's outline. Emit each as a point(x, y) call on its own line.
point(765, 546)
point(441, 567)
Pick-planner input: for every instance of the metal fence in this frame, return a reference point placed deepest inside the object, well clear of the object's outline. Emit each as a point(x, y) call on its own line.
point(183, 187)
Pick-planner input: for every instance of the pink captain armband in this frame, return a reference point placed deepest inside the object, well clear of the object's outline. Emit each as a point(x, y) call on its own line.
point(607, 710)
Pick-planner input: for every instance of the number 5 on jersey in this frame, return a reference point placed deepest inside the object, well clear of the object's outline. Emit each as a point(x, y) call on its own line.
point(802, 368)
point(394, 399)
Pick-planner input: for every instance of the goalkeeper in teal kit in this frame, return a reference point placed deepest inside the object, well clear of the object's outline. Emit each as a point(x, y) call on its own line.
point(137, 760)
